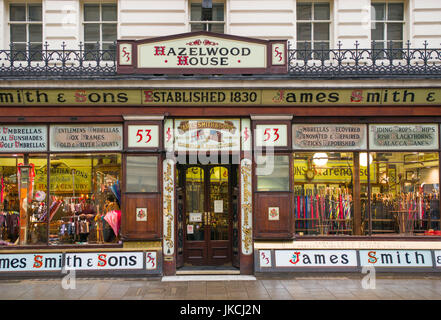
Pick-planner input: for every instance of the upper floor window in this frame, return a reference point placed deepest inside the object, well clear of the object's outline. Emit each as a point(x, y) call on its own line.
point(313, 30)
point(100, 29)
point(207, 15)
point(387, 29)
point(26, 30)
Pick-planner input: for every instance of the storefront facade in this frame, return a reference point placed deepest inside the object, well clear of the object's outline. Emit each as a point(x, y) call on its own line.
point(254, 170)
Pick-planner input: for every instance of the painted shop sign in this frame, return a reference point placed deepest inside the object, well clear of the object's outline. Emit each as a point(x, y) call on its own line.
point(414, 97)
point(405, 136)
point(206, 134)
point(315, 258)
point(31, 262)
point(78, 261)
point(396, 258)
point(201, 52)
point(23, 138)
point(104, 261)
point(86, 137)
point(437, 258)
point(328, 137)
point(332, 171)
point(168, 207)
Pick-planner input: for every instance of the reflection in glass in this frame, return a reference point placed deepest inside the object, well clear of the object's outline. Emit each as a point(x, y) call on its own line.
point(194, 206)
point(219, 203)
point(323, 191)
point(405, 196)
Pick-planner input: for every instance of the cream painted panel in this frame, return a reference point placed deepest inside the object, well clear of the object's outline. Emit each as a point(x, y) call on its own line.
point(3, 29)
point(166, 5)
point(262, 17)
point(141, 31)
point(264, 5)
point(426, 4)
point(62, 23)
point(149, 17)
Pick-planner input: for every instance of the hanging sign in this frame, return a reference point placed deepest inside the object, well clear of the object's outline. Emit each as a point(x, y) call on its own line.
point(143, 136)
point(97, 137)
point(403, 137)
point(275, 135)
point(316, 258)
point(207, 135)
point(23, 138)
point(396, 258)
point(329, 136)
point(200, 53)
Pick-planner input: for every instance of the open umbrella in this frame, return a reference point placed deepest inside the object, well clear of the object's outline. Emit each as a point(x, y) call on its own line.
point(113, 218)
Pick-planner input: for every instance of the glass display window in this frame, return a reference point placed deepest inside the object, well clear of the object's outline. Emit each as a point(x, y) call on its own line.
point(405, 195)
point(85, 199)
point(323, 193)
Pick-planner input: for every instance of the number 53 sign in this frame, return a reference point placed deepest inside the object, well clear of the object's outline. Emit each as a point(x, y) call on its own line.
point(143, 136)
point(275, 135)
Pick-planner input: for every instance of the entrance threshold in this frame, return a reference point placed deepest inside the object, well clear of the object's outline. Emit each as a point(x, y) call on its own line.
point(208, 278)
point(208, 270)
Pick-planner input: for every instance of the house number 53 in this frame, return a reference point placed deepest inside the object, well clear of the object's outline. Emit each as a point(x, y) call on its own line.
point(147, 135)
point(271, 134)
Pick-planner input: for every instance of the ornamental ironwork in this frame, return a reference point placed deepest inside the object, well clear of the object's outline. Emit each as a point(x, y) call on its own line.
point(378, 61)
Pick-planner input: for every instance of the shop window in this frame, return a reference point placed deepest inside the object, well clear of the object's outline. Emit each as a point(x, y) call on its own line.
point(21, 187)
point(142, 174)
point(405, 194)
point(207, 16)
point(323, 193)
point(100, 30)
point(85, 199)
point(387, 29)
point(26, 31)
point(272, 173)
point(313, 30)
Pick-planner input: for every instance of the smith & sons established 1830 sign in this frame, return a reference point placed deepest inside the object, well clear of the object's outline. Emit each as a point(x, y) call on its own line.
point(202, 53)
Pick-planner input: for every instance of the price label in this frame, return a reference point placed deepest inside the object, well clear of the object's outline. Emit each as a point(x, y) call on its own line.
point(272, 135)
point(143, 136)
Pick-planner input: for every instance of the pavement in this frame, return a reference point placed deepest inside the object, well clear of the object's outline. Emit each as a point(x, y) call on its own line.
point(286, 286)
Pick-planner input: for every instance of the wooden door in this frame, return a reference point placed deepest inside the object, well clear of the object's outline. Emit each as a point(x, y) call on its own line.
point(207, 221)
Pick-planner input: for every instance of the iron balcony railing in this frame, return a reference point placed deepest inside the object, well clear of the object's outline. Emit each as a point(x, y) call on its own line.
point(321, 62)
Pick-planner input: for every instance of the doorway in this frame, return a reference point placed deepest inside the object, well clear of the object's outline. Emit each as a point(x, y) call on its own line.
point(208, 219)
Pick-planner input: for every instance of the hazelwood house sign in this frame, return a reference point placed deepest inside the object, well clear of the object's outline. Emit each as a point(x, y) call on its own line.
point(202, 52)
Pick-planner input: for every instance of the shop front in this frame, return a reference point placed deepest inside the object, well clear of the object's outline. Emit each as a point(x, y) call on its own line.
point(164, 177)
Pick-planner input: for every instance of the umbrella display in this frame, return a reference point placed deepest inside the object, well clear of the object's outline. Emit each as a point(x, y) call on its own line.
point(113, 218)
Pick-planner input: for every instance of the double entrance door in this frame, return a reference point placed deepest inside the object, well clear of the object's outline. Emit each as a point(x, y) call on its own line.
point(207, 215)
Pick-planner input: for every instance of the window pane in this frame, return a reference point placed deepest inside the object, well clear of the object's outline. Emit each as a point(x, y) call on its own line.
point(318, 54)
point(303, 51)
point(404, 197)
point(17, 12)
point(109, 32)
point(218, 12)
point(109, 12)
point(110, 53)
point(35, 51)
point(378, 11)
point(321, 31)
point(303, 31)
point(18, 32)
point(35, 33)
point(323, 193)
point(394, 31)
point(92, 32)
point(218, 28)
point(91, 12)
point(273, 174)
point(19, 51)
point(35, 12)
point(304, 11)
point(377, 31)
point(321, 11)
point(196, 12)
point(86, 195)
point(395, 11)
point(142, 174)
point(90, 51)
point(197, 27)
